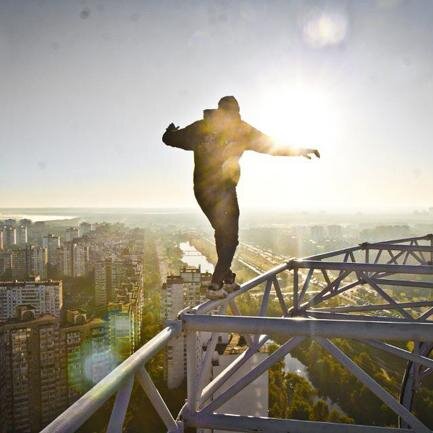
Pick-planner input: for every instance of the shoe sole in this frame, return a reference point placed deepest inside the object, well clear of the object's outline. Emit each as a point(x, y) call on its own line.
point(232, 287)
point(214, 295)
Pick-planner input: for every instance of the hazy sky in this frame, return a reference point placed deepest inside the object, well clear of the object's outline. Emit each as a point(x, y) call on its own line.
point(88, 87)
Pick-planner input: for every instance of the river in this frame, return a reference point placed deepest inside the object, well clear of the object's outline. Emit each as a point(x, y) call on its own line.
point(293, 365)
point(192, 257)
point(36, 217)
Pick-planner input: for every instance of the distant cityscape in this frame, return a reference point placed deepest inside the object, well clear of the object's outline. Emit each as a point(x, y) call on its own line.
point(78, 298)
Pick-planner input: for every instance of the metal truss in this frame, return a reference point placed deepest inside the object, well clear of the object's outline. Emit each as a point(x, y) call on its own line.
point(383, 270)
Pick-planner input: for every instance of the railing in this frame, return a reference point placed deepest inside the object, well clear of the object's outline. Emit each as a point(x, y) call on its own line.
point(369, 264)
point(120, 382)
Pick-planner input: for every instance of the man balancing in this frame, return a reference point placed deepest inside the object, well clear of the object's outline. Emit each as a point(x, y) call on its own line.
point(218, 141)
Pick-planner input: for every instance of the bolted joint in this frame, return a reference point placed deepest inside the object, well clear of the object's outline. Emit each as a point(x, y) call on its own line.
point(292, 264)
point(364, 245)
point(179, 429)
point(174, 324)
point(187, 310)
point(362, 277)
point(298, 313)
point(185, 414)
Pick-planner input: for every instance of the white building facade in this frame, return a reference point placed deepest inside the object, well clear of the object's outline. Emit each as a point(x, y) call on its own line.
point(179, 292)
point(45, 297)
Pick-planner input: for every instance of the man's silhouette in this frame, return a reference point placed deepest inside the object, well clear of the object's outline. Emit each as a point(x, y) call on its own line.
point(218, 141)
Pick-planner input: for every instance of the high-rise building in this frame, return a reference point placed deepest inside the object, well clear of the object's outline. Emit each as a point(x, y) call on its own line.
point(37, 259)
point(59, 269)
point(6, 264)
point(87, 355)
point(44, 296)
point(25, 222)
point(36, 232)
point(85, 228)
point(125, 318)
point(118, 272)
point(318, 233)
point(110, 276)
point(45, 367)
point(33, 384)
point(253, 400)
point(51, 243)
point(102, 284)
point(74, 259)
point(192, 280)
point(64, 262)
point(27, 263)
point(120, 317)
point(9, 236)
point(1, 239)
point(21, 235)
point(80, 259)
point(19, 264)
point(335, 232)
point(179, 292)
point(72, 233)
point(172, 303)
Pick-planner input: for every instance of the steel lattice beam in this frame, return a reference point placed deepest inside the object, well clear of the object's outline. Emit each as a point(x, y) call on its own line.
point(288, 327)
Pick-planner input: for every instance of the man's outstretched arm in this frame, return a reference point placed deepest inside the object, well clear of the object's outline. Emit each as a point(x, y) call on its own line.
point(260, 142)
point(184, 138)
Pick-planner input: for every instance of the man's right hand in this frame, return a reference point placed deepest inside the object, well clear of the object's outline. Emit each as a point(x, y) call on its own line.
point(307, 153)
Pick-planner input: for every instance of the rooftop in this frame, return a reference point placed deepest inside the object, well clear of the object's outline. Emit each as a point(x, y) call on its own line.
point(17, 283)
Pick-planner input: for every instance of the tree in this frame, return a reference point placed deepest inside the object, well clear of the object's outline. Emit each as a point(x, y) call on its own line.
point(320, 411)
point(300, 409)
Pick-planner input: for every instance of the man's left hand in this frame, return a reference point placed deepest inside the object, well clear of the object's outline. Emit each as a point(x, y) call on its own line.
point(172, 127)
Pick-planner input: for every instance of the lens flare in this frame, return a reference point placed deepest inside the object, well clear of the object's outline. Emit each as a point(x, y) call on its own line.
point(324, 29)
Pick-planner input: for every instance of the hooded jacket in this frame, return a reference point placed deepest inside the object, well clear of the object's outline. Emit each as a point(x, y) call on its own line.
point(218, 141)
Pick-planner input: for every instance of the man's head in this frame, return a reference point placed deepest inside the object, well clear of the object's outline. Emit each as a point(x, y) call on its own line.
point(229, 104)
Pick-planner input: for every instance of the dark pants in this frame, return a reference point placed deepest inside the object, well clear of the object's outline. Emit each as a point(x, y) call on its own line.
point(222, 210)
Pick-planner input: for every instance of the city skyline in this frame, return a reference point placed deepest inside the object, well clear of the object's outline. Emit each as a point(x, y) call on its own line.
point(89, 89)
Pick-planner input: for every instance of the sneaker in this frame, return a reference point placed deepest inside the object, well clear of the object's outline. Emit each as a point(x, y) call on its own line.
point(215, 291)
point(229, 283)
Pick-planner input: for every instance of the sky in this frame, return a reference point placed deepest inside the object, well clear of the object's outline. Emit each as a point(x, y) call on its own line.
point(88, 87)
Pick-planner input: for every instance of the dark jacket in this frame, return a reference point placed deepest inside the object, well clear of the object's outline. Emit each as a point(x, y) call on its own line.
point(218, 141)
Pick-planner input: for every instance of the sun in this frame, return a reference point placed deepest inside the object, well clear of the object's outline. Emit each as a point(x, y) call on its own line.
point(299, 116)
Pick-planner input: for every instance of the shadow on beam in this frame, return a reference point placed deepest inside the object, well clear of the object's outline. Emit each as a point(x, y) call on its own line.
point(272, 425)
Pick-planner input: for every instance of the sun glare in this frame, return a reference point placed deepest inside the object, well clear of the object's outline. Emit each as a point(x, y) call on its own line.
point(299, 117)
